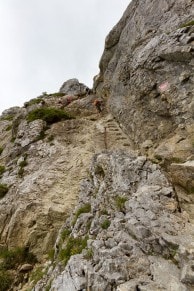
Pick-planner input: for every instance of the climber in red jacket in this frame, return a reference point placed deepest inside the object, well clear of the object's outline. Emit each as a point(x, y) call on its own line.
point(98, 104)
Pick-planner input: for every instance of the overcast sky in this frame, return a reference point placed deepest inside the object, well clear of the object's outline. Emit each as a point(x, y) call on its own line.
point(45, 42)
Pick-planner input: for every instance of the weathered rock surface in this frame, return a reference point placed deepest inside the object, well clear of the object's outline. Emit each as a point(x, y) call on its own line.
point(73, 87)
point(126, 221)
point(135, 230)
point(146, 70)
point(44, 167)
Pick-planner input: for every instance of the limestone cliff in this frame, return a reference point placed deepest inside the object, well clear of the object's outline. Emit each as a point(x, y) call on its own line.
point(104, 201)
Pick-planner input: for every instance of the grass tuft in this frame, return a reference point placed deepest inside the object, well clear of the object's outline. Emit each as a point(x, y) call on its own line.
point(84, 209)
point(105, 224)
point(73, 246)
point(120, 202)
point(190, 23)
point(6, 281)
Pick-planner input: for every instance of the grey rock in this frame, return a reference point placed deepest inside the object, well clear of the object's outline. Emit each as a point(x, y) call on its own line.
point(73, 87)
point(187, 274)
point(149, 224)
point(140, 68)
point(161, 269)
point(25, 268)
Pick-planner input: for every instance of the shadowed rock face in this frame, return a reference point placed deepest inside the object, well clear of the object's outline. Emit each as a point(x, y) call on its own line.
point(146, 70)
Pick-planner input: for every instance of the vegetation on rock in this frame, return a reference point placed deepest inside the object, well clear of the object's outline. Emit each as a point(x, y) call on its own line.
point(6, 280)
point(65, 233)
point(37, 274)
point(57, 94)
point(50, 115)
point(190, 23)
point(22, 165)
point(11, 259)
point(86, 208)
point(73, 246)
point(105, 224)
point(120, 202)
point(33, 101)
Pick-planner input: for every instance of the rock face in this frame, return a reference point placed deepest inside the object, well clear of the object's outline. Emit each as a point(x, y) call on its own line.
point(105, 200)
point(146, 70)
point(42, 168)
point(44, 165)
point(136, 235)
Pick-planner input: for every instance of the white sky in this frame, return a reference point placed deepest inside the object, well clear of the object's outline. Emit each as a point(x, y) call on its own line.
point(45, 42)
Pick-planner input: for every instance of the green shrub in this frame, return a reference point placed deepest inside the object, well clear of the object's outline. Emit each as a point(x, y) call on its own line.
point(2, 170)
point(120, 202)
point(105, 224)
point(50, 115)
point(13, 258)
point(73, 246)
point(6, 281)
point(3, 190)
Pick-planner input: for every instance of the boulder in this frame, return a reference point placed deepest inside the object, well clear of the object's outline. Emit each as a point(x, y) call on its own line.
point(73, 87)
